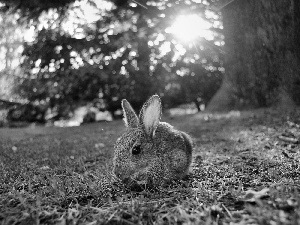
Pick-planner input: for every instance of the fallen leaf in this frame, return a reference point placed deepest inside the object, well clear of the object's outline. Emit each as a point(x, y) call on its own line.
point(253, 196)
point(14, 149)
point(286, 155)
point(99, 145)
point(45, 168)
point(292, 124)
point(288, 139)
point(292, 202)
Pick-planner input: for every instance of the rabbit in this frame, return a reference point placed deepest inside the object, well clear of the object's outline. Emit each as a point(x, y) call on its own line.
point(150, 153)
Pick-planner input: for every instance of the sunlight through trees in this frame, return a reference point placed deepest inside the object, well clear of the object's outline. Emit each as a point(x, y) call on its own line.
point(100, 49)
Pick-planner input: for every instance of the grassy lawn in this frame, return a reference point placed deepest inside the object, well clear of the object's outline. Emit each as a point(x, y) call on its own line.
point(246, 170)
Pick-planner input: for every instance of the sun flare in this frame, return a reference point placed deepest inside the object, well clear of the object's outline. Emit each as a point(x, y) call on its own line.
point(190, 27)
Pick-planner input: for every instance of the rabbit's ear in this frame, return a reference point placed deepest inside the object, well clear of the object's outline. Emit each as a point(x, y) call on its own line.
point(150, 115)
point(130, 118)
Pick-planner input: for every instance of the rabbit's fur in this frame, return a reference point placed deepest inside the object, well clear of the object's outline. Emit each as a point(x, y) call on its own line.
point(150, 153)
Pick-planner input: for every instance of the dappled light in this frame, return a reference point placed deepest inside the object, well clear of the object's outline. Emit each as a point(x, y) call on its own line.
point(94, 48)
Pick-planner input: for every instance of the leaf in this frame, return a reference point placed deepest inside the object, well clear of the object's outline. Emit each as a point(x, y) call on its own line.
point(288, 139)
point(14, 149)
point(292, 202)
point(45, 168)
point(99, 145)
point(253, 196)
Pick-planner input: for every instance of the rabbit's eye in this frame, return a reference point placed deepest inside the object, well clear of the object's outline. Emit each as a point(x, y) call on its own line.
point(136, 150)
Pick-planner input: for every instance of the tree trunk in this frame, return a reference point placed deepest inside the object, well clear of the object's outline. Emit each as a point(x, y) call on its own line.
point(262, 54)
point(223, 100)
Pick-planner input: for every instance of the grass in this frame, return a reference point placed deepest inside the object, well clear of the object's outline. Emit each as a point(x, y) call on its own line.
point(243, 172)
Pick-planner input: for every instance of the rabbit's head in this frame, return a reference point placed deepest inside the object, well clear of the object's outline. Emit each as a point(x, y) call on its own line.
point(143, 154)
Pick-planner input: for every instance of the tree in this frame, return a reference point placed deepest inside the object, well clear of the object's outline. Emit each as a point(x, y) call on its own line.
point(262, 54)
point(11, 41)
point(29, 9)
point(125, 54)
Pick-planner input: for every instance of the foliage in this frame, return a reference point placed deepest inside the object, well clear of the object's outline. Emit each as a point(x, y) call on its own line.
point(11, 41)
point(33, 9)
point(125, 53)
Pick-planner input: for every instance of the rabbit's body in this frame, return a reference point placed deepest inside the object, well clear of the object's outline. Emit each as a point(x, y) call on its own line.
point(151, 152)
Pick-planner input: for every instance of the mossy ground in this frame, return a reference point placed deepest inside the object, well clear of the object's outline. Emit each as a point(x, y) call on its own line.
point(246, 170)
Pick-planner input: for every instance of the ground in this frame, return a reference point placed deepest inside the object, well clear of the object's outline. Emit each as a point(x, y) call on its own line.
point(245, 171)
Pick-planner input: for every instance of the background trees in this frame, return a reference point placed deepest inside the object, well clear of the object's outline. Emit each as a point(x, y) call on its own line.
point(123, 51)
point(109, 50)
point(11, 42)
